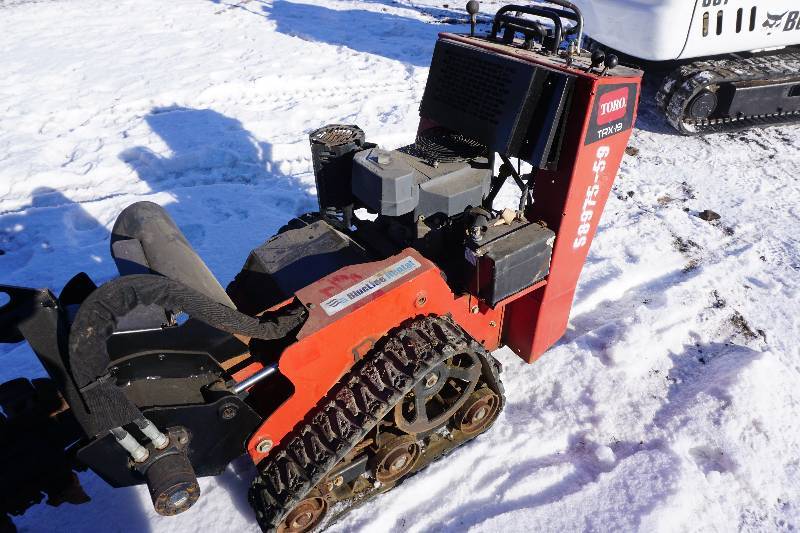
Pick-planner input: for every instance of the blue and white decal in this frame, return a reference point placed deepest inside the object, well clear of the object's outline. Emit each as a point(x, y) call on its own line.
point(364, 288)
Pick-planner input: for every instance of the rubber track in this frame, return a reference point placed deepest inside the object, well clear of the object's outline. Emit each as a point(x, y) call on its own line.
point(682, 84)
point(350, 409)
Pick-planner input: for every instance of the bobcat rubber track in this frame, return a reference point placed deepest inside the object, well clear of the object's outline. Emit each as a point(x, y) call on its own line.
point(684, 83)
point(354, 406)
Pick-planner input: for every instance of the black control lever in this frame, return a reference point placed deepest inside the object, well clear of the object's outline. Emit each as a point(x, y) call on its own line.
point(598, 56)
point(610, 62)
point(473, 6)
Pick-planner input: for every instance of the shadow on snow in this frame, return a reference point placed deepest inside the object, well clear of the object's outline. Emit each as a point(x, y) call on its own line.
point(206, 148)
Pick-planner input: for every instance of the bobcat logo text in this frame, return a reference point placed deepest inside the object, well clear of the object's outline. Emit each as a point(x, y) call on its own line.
point(786, 21)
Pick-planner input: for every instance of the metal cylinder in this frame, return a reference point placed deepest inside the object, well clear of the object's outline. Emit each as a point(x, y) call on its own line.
point(172, 484)
point(255, 378)
point(138, 452)
point(159, 440)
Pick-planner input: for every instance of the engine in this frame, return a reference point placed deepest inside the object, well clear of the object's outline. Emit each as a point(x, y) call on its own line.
point(437, 194)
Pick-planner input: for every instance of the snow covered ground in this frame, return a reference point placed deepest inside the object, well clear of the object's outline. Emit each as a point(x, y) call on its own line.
point(670, 405)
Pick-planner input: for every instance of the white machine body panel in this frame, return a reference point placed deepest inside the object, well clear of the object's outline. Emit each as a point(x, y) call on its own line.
point(660, 30)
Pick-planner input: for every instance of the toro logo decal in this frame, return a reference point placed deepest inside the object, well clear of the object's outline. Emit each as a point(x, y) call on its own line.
point(612, 111)
point(613, 105)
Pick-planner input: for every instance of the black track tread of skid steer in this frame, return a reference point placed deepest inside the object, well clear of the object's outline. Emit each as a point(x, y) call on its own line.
point(685, 82)
point(350, 409)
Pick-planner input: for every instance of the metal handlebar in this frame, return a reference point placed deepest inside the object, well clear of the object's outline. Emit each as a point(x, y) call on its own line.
point(528, 27)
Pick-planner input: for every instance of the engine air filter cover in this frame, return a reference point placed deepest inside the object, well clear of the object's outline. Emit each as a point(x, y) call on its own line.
point(332, 149)
point(334, 135)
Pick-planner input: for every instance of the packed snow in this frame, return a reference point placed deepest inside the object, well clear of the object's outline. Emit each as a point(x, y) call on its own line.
point(671, 404)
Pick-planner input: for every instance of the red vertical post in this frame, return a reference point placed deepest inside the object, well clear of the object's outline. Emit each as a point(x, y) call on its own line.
point(571, 200)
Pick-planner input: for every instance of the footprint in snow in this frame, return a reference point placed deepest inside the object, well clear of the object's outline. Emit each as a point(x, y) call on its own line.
point(195, 234)
point(80, 220)
point(710, 459)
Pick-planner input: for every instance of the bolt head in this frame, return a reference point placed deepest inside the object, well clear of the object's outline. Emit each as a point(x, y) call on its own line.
point(431, 380)
point(228, 411)
point(421, 300)
point(399, 463)
point(264, 446)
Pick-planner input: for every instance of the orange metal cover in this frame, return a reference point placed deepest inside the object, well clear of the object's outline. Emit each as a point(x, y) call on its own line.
point(335, 336)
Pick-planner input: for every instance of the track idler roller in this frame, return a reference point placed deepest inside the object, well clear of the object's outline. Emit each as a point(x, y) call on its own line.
point(478, 412)
point(305, 516)
point(396, 458)
point(703, 105)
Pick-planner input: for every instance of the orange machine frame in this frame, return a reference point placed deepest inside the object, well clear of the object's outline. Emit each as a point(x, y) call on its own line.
point(569, 200)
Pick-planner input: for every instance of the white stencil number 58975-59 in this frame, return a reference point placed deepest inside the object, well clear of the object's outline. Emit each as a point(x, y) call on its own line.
point(590, 200)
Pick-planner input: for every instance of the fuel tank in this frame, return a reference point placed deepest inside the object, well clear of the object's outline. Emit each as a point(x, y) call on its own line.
point(301, 253)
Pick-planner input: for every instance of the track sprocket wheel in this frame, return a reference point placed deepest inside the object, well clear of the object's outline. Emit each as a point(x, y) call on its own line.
point(439, 394)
